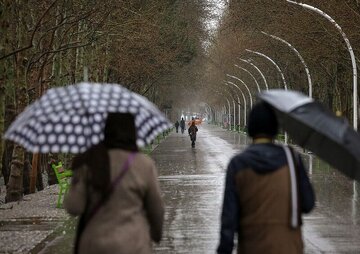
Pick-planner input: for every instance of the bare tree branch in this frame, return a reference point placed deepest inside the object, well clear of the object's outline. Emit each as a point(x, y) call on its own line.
point(37, 26)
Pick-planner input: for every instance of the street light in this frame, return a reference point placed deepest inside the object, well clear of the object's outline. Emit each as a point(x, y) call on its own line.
point(261, 74)
point(353, 61)
point(281, 73)
point(299, 56)
point(239, 109)
point(223, 96)
point(273, 62)
point(243, 95)
point(247, 88)
point(247, 71)
point(229, 111)
point(209, 112)
point(233, 99)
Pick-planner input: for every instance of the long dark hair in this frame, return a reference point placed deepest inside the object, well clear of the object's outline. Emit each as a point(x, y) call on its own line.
point(119, 133)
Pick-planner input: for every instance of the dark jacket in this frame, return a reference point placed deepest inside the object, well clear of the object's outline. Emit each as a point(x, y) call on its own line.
point(257, 202)
point(192, 132)
point(182, 124)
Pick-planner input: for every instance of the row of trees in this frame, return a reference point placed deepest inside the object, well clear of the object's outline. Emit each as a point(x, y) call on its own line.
point(317, 40)
point(139, 44)
point(162, 49)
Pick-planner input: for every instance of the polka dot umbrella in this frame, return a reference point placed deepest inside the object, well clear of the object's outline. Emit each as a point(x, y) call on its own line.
point(71, 119)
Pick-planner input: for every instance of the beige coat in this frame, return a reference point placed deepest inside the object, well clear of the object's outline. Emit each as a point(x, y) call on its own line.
point(264, 219)
point(131, 218)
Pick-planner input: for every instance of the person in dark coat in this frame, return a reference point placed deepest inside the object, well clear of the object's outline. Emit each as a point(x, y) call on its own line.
point(177, 126)
point(260, 195)
point(182, 125)
point(192, 132)
point(132, 215)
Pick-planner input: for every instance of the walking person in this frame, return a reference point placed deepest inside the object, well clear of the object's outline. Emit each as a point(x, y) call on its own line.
point(192, 132)
point(266, 191)
point(177, 126)
point(182, 125)
point(116, 193)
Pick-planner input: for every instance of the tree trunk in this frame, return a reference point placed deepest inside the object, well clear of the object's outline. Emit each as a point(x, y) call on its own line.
point(14, 190)
point(26, 175)
point(10, 113)
point(39, 180)
point(51, 174)
point(2, 118)
point(15, 184)
point(6, 160)
point(33, 172)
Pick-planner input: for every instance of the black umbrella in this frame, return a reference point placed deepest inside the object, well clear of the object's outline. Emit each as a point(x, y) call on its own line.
point(314, 127)
point(72, 118)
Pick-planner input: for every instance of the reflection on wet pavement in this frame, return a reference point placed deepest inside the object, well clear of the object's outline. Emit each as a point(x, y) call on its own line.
point(192, 182)
point(60, 242)
point(334, 225)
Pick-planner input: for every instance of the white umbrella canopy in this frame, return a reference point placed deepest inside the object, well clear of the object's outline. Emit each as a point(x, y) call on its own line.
point(71, 119)
point(314, 127)
point(285, 100)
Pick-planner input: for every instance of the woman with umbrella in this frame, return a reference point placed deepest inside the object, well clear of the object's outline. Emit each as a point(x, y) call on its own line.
point(114, 189)
point(116, 193)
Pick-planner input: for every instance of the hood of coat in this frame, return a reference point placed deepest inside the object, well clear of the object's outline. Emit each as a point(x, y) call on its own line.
point(264, 158)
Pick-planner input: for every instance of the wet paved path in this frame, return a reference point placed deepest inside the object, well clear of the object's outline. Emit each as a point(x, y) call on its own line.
point(192, 180)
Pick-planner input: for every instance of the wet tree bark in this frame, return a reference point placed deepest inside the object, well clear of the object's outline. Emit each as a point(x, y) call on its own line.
point(2, 114)
point(26, 174)
point(39, 179)
point(14, 190)
point(51, 174)
point(10, 113)
point(33, 172)
point(6, 159)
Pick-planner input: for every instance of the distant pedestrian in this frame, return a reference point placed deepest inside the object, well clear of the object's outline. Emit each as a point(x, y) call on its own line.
point(177, 126)
point(264, 194)
point(182, 125)
point(116, 194)
point(192, 132)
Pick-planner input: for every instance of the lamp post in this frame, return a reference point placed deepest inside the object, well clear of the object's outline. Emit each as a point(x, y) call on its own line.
point(261, 74)
point(299, 56)
point(281, 73)
point(352, 56)
point(243, 95)
point(247, 71)
point(239, 109)
point(233, 100)
point(209, 112)
point(273, 62)
point(247, 88)
point(229, 111)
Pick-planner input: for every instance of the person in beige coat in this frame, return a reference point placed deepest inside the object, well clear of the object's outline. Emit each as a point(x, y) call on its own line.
point(128, 217)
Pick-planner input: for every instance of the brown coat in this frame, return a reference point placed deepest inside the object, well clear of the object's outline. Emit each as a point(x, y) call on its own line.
point(133, 215)
point(264, 219)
